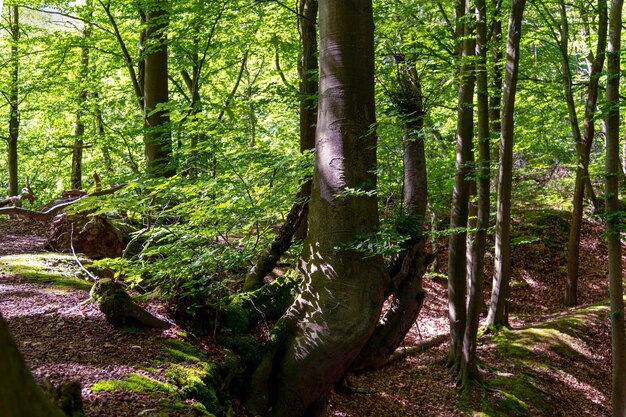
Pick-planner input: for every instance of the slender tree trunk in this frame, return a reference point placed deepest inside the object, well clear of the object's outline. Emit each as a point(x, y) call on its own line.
point(21, 396)
point(342, 294)
point(583, 144)
point(618, 344)
point(406, 285)
point(460, 198)
point(157, 139)
point(469, 370)
point(498, 309)
point(14, 111)
point(308, 74)
point(495, 99)
point(79, 127)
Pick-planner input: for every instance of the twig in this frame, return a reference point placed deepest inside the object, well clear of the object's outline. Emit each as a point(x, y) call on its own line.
point(89, 274)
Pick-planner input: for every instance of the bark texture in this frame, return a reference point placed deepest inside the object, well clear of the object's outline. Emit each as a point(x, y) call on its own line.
point(14, 111)
point(498, 308)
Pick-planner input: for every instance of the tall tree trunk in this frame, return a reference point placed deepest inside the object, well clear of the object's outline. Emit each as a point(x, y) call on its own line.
point(583, 144)
point(342, 294)
point(21, 396)
point(14, 111)
point(618, 347)
point(406, 286)
point(308, 74)
point(157, 138)
point(296, 224)
point(498, 309)
point(495, 99)
point(79, 127)
point(469, 370)
point(460, 197)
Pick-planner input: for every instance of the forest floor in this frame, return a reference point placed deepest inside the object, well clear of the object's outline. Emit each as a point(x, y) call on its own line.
point(554, 362)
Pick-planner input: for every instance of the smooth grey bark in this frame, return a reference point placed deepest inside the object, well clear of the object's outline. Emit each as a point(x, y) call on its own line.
point(14, 111)
point(457, 262)
point(583, 143)
point(341, 298)
point(498, 308)
point(157, 137)
point(469, 370)
point(618, 343)
point(21, 396)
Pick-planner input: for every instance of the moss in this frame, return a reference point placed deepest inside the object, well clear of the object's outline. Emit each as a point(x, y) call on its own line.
point(134, 383)
point(184, 352)
point(197, 382)
point(249, 350)
point(58, 270)
point(269, 302)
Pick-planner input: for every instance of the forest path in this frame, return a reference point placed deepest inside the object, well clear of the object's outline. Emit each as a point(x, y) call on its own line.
point(60, 338)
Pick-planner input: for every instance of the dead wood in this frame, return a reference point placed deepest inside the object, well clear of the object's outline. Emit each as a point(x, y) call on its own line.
point(57, 208)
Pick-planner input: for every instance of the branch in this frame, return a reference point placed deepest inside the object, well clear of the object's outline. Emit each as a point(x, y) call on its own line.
point(53, 211)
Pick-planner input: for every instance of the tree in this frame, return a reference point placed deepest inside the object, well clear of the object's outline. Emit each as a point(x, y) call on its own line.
point(583, 142)
point(469, 369)
point(341, 299)
point(618, 342)
point(457, 262)
point(79, 126)
point(157, 138)
point(498, 308)
point(21, 396)
point(13, 99)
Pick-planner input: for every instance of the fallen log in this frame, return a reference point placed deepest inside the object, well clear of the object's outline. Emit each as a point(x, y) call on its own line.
point(54, 210)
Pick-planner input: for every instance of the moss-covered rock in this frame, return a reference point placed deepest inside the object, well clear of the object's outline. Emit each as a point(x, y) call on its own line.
point(58, 270)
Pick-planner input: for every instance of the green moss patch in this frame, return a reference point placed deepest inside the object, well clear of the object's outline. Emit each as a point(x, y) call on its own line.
point(56, 269)
point(524, 364)
point(133, 383)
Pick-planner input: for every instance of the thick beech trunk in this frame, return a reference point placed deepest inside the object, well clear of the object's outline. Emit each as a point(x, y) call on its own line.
point(457, 246)
point(498, 309)
point(157, 138)
point(469, 370)
point(618, 343)
point(21, 396)
point(341, 299)
point(583, 143)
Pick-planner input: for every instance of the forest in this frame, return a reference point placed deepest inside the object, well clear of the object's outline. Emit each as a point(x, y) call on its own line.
point(340, 208)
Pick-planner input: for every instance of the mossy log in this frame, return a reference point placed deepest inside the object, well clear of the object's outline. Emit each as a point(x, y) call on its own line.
point(119, 308)
point(240, 311)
